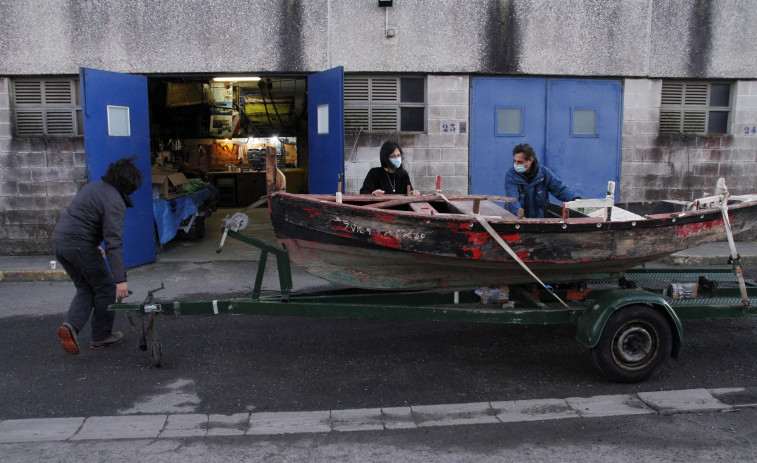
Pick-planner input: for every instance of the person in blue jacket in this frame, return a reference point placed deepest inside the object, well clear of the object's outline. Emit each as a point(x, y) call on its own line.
point(530, 184)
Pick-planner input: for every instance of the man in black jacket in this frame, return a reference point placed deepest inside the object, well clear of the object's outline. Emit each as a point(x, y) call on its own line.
point(95, 215)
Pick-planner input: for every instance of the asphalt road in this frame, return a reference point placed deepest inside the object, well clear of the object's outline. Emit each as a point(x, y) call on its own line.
point(233, 364)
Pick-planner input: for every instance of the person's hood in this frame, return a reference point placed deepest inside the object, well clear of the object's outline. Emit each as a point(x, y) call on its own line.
point(124, 196)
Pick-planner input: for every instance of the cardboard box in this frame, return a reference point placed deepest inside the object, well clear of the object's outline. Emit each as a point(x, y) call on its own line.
point(168, 183)
point(183, 94)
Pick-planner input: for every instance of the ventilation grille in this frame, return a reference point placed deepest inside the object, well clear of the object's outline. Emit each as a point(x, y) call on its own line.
point(372, 103)
point(45, 107)
point(684, 107)
point(355, 118)
point(29, 123)
point(684, 93)
point(356, 89)
point(28, 92)
point(694, 121)
point(384, 119)
point(58, 92)
point(696, 94)
point(672, 93)
point(384, 89)
point(670, 121)
point(60, 122)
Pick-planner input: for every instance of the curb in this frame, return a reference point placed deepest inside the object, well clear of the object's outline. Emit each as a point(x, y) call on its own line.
point(33, 275)
point(167, 426)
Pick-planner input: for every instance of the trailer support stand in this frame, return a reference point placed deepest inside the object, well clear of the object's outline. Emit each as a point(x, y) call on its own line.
point(282, 264)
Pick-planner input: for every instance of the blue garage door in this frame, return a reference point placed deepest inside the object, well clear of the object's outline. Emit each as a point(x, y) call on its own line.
point(574, 126)
point(326, 131)
point(116, 125)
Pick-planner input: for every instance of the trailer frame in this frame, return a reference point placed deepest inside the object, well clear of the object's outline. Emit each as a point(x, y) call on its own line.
point(631, 330)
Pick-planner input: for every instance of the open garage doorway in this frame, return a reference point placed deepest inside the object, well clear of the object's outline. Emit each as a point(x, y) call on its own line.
point(217, 127)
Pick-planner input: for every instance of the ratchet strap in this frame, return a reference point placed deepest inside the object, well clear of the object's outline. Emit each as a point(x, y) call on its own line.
point(507, 248)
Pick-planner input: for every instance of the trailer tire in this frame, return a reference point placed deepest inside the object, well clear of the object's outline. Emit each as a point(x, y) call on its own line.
point(200, 227)
point(157, 354)
point(634, 344)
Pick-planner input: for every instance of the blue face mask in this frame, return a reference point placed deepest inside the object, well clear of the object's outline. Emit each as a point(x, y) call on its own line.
point(519, 168)
point(396, 162)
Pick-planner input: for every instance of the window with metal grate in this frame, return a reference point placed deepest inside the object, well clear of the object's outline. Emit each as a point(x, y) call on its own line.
point(695, 107)
point(46, 106)
point(384, 104)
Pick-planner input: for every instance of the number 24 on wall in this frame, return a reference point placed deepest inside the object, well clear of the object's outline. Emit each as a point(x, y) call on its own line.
point(750, 130)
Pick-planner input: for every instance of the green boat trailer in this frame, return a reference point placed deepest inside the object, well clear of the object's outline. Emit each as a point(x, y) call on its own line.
point(631, 330)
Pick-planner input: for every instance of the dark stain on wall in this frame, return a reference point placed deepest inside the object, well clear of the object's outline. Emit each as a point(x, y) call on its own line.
point(700, 37)
point(503, 46)
point(290, 37)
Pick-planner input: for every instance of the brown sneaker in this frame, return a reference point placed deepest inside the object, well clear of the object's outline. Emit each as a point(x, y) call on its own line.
point(68, 338)
point(115, 337)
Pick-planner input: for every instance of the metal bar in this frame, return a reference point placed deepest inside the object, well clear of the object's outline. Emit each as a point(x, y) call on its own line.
point(726, 309)
point(259, 276)
point(479, 314)
point(285, 275)
point(282, 261)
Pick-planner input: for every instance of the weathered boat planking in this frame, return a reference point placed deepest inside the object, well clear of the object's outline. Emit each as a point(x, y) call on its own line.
point(426, 242)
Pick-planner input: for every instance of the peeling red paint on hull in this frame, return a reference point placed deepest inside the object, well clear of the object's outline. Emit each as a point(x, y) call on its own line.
point(359, 245)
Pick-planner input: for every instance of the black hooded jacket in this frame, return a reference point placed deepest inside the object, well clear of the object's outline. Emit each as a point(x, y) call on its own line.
point(96, 214)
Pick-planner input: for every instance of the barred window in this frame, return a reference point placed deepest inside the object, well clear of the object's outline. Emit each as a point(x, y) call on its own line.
point(695, 107)
point(385, 104)
point(46, 106)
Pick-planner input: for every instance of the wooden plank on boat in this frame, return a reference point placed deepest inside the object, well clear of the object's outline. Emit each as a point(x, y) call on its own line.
point(423, 208)
point(486, 208)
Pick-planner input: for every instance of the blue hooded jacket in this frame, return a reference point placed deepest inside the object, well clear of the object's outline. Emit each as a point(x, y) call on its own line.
point(533, 196)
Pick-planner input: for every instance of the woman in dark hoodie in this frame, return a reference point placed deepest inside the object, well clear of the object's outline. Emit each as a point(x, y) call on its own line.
point(96, 214)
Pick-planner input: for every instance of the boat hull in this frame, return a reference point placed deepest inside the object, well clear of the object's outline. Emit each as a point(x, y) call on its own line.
point(386, 249)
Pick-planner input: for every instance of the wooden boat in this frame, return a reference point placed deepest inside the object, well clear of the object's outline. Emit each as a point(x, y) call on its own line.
point(435, 241)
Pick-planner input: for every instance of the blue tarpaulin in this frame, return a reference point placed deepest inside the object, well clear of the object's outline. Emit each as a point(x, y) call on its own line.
point(169, 213)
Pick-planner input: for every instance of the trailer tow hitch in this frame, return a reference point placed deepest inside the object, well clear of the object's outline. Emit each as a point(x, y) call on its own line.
point(149, 306)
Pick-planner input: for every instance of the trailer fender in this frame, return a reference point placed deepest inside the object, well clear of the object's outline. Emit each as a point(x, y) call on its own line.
point(592, 321)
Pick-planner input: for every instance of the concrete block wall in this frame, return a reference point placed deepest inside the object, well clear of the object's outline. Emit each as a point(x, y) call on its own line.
point(680, 166)
point(440, 151)
point(38, 178)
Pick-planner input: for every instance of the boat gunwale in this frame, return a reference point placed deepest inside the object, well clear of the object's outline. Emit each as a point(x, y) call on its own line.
point(578, 224)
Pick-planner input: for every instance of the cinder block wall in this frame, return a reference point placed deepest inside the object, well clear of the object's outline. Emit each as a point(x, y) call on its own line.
point(685, 166)
point(437, 152)
point(39, 179)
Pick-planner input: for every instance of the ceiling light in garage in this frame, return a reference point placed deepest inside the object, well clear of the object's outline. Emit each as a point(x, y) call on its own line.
point(236, 79)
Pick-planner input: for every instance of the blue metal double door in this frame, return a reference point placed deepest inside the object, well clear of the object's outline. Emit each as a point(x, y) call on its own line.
point(573, 125)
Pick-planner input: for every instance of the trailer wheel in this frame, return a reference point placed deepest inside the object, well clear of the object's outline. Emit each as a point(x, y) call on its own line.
point(634, 344)
point(200, 227)
point(157, 354)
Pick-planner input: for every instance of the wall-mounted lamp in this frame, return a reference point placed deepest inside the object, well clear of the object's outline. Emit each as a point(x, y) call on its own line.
point(389, 33)
point(236, 79)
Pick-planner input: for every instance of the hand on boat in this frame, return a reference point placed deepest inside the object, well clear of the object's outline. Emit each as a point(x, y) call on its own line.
point(415, 193)
point(377, 192)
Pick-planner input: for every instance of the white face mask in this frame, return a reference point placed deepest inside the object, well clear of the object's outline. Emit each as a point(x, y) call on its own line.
point(519, 168)
point(396, 162)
